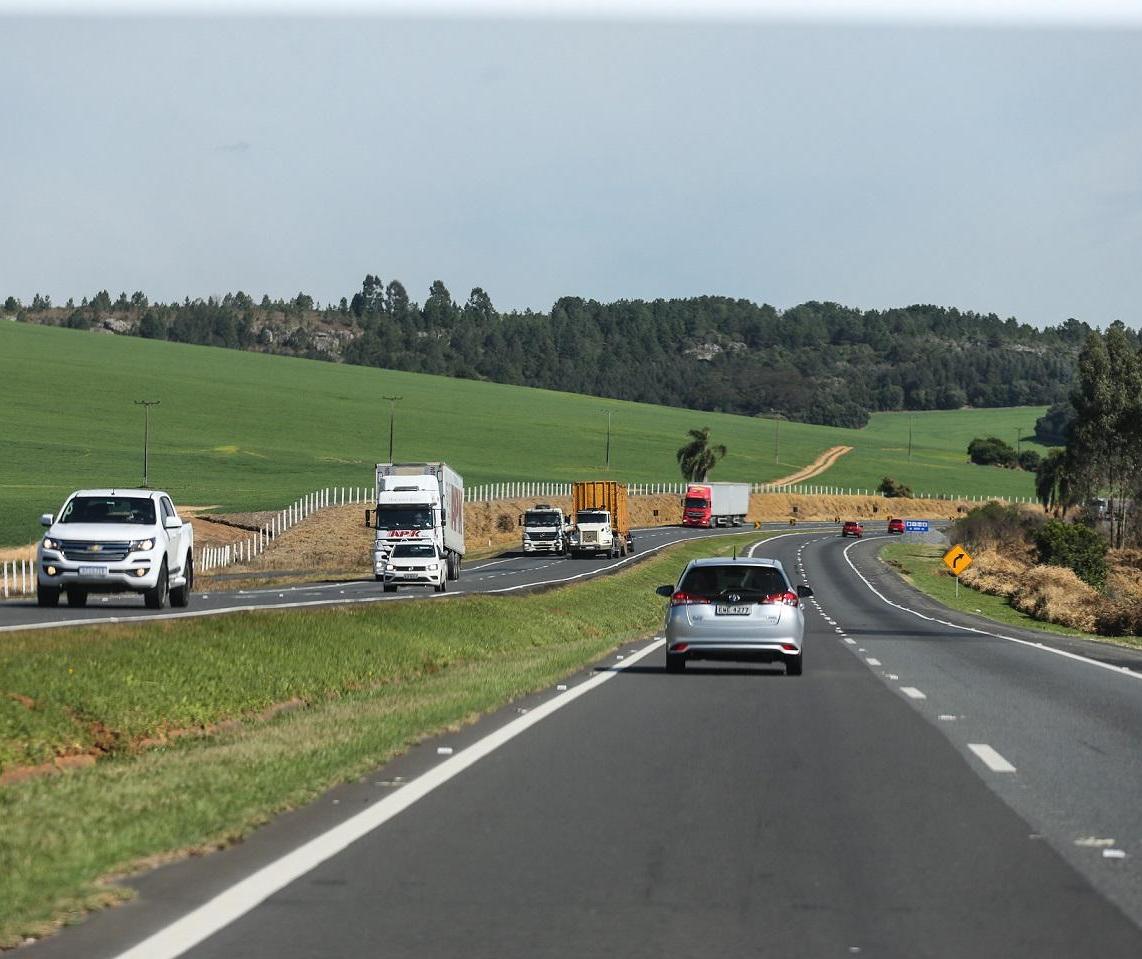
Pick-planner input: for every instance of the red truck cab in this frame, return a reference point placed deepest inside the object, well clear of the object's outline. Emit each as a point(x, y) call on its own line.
point(697, 505)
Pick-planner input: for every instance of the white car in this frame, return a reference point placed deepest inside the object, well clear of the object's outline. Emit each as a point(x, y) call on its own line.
point(412, 564)
point(116, 541)
point(740, 610)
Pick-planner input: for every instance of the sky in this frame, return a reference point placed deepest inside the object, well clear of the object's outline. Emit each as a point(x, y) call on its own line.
point(873, 154)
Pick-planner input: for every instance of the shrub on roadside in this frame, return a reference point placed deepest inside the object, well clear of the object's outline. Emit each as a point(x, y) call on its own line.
point(998, 524)
point(1078, 548)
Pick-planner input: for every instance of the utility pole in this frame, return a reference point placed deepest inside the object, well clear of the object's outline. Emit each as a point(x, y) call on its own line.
point(146, 405)
point(607, 465)
point(910, 436)
point(393, 400)
point(777, 439)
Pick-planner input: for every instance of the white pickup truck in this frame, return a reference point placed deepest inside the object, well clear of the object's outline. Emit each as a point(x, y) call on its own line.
point(116, 541)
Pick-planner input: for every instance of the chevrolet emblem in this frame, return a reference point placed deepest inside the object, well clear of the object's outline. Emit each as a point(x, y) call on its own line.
point(94, 548)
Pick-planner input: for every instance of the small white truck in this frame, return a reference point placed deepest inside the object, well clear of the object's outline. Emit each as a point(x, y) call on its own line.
point(546, 529)
point(116, 541)
point(418, 502)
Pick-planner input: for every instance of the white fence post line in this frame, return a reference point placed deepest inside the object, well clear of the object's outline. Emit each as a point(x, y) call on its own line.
point(5, 580)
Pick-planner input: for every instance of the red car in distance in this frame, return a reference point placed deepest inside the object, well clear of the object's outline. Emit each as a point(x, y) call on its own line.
point(852, 528)
point(896, 526)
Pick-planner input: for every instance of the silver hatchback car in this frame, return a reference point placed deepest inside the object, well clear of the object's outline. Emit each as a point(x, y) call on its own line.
point(737, 610)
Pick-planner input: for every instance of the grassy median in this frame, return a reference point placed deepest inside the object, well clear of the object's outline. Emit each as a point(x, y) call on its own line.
point(195, 748)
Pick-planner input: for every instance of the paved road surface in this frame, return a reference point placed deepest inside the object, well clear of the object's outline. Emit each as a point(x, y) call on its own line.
point(922, 791)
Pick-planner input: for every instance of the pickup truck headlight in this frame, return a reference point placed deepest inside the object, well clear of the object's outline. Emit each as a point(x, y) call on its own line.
point(50, 543)
point(433, 567)
point(143, 545)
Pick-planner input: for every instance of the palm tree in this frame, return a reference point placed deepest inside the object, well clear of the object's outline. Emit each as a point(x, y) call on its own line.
point(698, 457)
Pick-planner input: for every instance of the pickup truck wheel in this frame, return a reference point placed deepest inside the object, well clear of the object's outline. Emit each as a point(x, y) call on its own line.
point(389, 588)
point(47, 595)
point(443, 586)
point(156, 597)
point(180, 595)
point(77, 597)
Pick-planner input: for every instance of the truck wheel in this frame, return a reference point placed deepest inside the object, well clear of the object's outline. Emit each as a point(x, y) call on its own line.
point(77, 597)
point(180, 595)
point(442, 587)
point(156, 597)
point(390, 588)
point(47, 595)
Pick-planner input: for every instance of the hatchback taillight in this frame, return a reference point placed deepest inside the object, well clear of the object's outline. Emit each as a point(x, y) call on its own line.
point(787, 599)
point(687, 599)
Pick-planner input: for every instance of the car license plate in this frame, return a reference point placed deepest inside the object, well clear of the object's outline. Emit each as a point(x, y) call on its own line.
point(732, 610)
point(92, 570)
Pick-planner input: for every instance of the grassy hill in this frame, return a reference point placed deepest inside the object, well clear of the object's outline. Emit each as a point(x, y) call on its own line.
point(246, 430)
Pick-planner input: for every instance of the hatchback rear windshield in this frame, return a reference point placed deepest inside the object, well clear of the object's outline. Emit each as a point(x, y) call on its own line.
point(715, 580)
point(109, 509)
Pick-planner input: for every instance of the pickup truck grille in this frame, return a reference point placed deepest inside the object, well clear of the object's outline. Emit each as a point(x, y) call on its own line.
point(82, 552)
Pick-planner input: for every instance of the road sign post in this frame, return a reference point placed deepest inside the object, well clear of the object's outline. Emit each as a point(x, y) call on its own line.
point(957, 560)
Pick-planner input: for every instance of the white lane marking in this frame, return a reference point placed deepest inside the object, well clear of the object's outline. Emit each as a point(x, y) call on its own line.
point(851, 642)
point(990, 758)
point(912, 692)
point(243, 896)
point(872, 662)
point(984, 632)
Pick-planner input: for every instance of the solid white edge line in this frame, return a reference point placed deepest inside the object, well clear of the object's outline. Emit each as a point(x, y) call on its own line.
point(233, 903)
point(990, 758)
point(1117, 670)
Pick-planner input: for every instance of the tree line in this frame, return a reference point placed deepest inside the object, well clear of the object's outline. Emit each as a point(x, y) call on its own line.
point(816, 362)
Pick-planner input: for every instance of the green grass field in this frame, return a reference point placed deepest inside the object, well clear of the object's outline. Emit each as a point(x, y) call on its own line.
point(245, 430)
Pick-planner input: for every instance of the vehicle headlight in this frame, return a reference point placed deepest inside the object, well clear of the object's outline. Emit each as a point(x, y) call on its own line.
point(433, 567)
point(140, 544)
point(50, 543)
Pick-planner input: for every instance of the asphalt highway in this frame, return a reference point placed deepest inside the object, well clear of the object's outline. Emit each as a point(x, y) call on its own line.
point(505, 573)
point(931, 787)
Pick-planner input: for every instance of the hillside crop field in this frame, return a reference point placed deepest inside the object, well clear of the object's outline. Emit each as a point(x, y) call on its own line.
point(243, 431)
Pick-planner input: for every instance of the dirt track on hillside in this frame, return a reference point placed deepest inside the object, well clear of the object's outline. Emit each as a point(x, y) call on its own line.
point(816, 468)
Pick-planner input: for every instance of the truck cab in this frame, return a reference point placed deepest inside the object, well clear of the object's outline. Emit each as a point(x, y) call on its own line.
point(593, 533)
point(545, 530)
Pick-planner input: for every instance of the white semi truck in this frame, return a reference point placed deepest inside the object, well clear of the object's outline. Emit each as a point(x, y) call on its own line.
point(418, 502)
point(546, 529)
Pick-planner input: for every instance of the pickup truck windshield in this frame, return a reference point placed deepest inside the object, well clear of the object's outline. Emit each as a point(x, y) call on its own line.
point(414, 549)
point(593, 516)
point(136, 511)
point(404, 517)
point(541, 519)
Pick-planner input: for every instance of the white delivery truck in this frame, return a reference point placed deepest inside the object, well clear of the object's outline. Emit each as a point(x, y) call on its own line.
point(546, 529)
point(418, 502)
point(715, 504)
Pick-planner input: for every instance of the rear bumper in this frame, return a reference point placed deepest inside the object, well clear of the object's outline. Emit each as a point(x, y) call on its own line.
point(734, 652)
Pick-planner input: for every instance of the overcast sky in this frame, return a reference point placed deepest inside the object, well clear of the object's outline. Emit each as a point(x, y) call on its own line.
point(854, 156)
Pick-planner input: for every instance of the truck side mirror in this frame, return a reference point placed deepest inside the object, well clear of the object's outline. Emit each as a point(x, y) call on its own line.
point(519, 520)
point(47, 519)
point(368, 517)
point(172, 522)
point(804, 592)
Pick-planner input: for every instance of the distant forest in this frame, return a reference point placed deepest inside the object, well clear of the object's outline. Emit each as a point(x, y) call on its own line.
point(817, 362)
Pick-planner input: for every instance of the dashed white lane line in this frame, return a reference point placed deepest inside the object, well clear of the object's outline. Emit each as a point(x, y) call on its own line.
point(851, 642)
point(912, 692)
point(990, 758)
point(243, 896)
point(872, 662)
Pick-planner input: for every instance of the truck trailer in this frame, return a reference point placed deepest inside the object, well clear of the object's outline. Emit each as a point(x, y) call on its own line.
point(418, 502)
point(601, 518)
point(715, 504)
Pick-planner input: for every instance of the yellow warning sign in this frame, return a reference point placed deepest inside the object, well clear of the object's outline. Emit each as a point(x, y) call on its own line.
point(957, 559)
